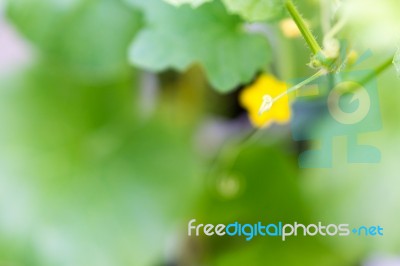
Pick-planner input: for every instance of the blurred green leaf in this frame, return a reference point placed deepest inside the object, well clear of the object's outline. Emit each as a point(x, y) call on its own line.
point(83, 180)
point(250, 10)
point(193, 3)
point(256, 10)
point(372, 24)
point(262, 185)
point(248, 190)
point(299, 251)
point(359, 193)
point(179, 37)
point(87, 37)
point(396, 61)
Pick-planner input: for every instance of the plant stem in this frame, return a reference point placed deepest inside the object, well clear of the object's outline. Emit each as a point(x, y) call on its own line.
point(305, 31)
point(374, 73)
point(301, 84)
point(377, 71)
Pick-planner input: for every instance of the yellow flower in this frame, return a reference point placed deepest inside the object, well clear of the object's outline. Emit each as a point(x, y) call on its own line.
point(251, 98)
point(289, 28)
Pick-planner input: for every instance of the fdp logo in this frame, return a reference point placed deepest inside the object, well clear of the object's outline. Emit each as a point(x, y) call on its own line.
point(348, 102)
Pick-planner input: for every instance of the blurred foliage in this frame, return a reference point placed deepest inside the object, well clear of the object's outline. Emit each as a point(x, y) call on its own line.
point(87, 37)
point(396, 62)
point(87, 179)
point(259, 10)
point(84, 179)
point(260, 186)
point(178, 37)
point(360, 193)
point(194, 3)
point(372, 24)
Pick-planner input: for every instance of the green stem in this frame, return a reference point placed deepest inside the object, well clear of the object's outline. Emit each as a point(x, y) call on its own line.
point(374, 73)
point(305, 31)
point(301, 84)
point(377, 71)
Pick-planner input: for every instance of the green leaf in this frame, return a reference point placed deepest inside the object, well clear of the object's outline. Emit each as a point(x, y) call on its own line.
point(256, 10)
point(251, 10)
point(180, 37)
point(193, 3)
point(87, 37)
point(396, 62)
point(80, 171)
